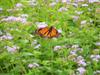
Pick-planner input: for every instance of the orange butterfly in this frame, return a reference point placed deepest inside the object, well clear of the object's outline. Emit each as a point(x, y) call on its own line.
point(48, 32)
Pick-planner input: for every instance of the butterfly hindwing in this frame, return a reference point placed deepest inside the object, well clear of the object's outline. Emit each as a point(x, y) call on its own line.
point(53, 33)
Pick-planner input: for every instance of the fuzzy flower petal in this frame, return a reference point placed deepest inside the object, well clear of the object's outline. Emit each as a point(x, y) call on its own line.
point(19, 5)
point(81, 70)
point(56, 48)
point(12, 49)
point(41, 24)
point(33, 65)
point(62, 9)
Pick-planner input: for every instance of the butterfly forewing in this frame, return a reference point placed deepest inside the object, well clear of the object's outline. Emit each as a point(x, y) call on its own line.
point(42, 31)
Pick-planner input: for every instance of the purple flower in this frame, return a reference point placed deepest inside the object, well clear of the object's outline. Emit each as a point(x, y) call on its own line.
point(64, 1)
point(80, 0)
point(75, 18)
point(62, 9)
point(33, 65)
point(12, 49)
point(30, 65)
point(95, 57)
point(56, 0)
point(6, 37)
point(73, 52)
point(56, 48)
point(14, 19)
point(52, 4)
point(75, 4)
point(81, 63)
point(19, 5)
point(41, 24)
point(59, 30)
point(10, 18)
point(80, 58)
point(92, 1)
point(23, 20)
point(81, 70)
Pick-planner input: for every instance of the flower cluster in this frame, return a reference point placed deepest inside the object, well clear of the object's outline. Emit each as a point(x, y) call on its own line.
point(33, 65)
point(15, 19)
point(81, 70)
point(92, 1)
point(6, 37)
point(52, 4)
point(56, 48)
point(95, 57)
point(19, 5)
point(62, 9)
point(12, 49)
point(41, 24)
point(74, 56)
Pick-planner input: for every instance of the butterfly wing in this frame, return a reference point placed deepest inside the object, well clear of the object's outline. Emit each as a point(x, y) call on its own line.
point(53, 33)
point(43, 31)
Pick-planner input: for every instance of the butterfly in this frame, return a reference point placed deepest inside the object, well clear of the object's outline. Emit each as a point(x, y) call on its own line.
point(48, 32)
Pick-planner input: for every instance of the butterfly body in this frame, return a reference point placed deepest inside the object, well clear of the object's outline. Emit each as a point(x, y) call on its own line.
point(48, 32)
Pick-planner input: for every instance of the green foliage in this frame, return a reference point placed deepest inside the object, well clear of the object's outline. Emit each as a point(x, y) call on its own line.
point(50, 62)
